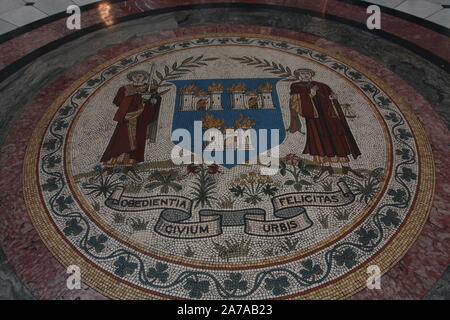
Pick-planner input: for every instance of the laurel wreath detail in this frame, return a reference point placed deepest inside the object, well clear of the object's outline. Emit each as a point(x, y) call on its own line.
point(176, 71)
point(275, 68)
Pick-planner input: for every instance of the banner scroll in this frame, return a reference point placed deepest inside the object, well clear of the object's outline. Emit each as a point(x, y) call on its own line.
point(174, 221)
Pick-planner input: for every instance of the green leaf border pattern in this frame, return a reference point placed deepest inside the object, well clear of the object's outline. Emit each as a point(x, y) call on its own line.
point(137, 270)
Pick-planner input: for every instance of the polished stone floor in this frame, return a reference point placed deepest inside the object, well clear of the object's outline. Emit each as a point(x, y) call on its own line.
point(39, 63)
point(15, 13)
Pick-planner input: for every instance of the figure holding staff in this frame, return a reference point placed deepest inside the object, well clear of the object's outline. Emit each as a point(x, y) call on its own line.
point(138, 106)
point(328, 136)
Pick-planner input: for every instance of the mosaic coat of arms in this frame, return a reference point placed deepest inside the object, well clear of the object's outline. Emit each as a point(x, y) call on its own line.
point(228, 167)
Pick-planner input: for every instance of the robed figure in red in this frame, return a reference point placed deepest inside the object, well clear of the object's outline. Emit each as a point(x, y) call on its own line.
point(138, 107)
point(328, 136)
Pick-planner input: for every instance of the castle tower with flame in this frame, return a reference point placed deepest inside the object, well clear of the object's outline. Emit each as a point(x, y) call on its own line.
point(237, 137)
point(201, 100)
point(187, 97)
point(255, 99)
point(266, 96)
point(215, 93)
point(191, 98)
point(252, 100)
point(237, 92)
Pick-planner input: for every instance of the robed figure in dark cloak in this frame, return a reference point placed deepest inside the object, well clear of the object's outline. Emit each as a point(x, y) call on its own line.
point(136, 117)
point(328, 136)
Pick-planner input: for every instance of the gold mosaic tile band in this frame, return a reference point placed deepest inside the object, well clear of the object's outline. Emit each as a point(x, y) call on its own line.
point(345, 286)
point(212, 264)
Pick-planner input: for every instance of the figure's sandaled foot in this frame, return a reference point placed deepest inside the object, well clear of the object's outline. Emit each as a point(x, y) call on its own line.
point(126, 170)
point(349, 171)
point(109, 170)
point(131, 172)
point(356, 174)
point(325, 172)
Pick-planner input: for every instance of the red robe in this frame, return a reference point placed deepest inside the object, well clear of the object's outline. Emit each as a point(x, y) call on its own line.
point(328, 133)
point(129, 100)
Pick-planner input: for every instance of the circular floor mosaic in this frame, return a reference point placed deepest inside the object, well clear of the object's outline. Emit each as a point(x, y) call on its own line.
point(228, 166)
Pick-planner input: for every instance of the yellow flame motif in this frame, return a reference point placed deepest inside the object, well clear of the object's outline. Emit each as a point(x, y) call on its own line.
point(237, 87)
point(201, 93)
point(210, 122)
point(267, 87)
point(189, 89)
point(215, 87)
point(244, 122)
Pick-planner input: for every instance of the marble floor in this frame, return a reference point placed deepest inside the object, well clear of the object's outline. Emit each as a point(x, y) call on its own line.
point(17, 13)
point(359, 182)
